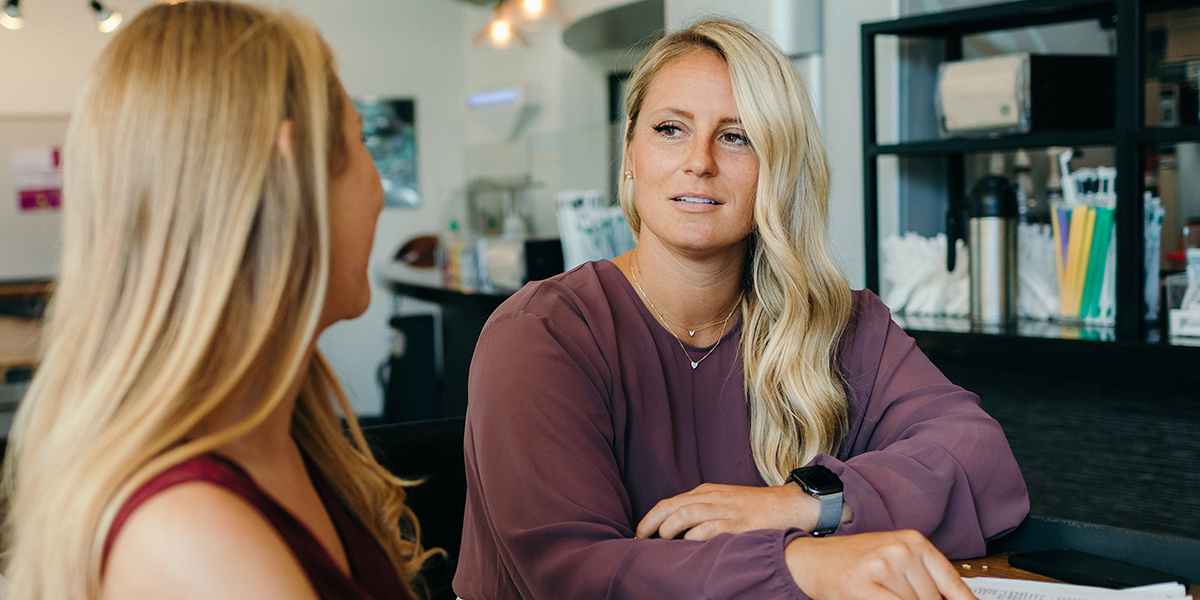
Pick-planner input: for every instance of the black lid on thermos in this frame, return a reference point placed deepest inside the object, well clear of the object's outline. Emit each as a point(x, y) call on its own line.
point(991, 196)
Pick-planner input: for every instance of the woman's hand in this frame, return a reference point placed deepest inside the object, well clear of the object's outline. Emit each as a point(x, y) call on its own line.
point(711, 509)
point(889, 564)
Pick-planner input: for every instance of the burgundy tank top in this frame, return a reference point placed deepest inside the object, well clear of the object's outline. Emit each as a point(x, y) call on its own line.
point(372, 574)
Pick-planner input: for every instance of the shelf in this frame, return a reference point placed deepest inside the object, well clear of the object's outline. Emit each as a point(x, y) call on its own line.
point(1011, 15)
point(1044, 139)
point(1127, 137)
point(1023, 328)
point(1061, 351)
point(1161, 135)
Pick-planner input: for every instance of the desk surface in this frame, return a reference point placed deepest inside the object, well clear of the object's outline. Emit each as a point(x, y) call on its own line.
point(996, 565)
point(28, 288)
point(19, 339)
point(426, 284)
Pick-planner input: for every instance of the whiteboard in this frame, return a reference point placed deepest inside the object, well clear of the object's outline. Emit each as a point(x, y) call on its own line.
point(30, 241)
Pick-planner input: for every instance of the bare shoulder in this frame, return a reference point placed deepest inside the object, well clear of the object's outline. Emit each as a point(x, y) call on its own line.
point(200, 541)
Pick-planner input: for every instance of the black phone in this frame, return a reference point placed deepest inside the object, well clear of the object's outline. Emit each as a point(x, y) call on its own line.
point(1073, 566)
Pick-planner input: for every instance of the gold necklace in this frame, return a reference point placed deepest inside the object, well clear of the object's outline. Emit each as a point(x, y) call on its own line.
point(695, 363)
point(691, 332)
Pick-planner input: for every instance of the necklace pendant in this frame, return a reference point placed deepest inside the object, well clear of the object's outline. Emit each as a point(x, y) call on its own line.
point(694, 365)
point(691, 333)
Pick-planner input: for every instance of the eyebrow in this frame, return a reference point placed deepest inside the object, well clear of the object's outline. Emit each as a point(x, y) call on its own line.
point(687, 115)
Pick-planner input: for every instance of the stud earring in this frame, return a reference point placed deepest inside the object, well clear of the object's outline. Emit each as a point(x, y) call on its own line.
point(628, 174)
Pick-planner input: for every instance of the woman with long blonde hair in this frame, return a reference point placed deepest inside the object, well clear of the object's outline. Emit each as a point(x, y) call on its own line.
point(179, 439)
point(690, 419)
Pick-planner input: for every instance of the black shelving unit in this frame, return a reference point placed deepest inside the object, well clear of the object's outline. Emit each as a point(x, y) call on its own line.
point(1129, 138)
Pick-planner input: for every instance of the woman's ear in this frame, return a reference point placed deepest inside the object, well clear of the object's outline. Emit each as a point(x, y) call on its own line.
point(285, 138)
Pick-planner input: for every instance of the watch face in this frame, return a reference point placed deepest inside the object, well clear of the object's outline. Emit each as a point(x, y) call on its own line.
point(819, 480)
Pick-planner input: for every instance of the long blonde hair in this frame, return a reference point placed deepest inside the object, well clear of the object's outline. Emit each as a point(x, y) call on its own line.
point(796, 302)
point(195, 259)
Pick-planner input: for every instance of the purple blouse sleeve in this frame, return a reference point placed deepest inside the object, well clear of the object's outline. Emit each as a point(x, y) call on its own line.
point(548, 515)
point(921, 453)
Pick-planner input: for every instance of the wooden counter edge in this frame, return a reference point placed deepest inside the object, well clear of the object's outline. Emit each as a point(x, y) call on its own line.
point(996, 565)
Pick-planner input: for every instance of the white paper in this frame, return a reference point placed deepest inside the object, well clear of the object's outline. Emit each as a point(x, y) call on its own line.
point(992, 588)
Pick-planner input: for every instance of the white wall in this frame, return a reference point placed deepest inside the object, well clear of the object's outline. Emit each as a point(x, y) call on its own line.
point(565, 147)
point(45, 62)
point(407, 48)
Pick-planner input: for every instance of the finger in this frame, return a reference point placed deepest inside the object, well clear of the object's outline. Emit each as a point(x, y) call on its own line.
point(897, 583)
point(948, 581)
point(654, 519)
point(875, 591)
point(709, 529)
point(686, 517)
point(922, 583)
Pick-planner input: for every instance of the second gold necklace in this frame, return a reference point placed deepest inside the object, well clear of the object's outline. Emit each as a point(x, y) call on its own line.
point(695, 363)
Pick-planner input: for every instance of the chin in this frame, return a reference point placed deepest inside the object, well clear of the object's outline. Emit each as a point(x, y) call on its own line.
point(344, 307)
point(361, 307)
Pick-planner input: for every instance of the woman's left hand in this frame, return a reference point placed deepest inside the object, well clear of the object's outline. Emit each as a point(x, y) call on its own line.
point(712, 509)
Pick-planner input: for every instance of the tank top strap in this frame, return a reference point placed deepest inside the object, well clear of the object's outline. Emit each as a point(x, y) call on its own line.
point(367, 559)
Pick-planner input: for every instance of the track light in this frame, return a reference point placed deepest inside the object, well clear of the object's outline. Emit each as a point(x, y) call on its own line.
point(531, 14)
point(512, 18)
point(499, 33)
point(10, 15)
point(106, 20)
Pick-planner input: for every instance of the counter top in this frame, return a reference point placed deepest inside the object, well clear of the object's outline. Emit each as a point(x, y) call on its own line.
point(426, 284)
point(19, 340)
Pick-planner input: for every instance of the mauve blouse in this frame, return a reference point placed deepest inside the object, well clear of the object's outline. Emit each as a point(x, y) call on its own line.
point(584, 412)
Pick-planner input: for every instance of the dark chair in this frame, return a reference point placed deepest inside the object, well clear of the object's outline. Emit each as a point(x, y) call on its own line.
point(433, 451)
point(1171, 554)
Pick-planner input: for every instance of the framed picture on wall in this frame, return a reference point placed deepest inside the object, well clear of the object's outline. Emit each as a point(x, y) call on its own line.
point(389, 130)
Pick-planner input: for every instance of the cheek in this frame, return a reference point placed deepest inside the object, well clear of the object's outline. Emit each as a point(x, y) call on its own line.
point(748, 184)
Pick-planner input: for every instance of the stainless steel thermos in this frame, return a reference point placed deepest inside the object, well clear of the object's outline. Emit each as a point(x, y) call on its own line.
point(990, 218)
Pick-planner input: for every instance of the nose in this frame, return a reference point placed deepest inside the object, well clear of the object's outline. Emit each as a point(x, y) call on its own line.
point(700, 159)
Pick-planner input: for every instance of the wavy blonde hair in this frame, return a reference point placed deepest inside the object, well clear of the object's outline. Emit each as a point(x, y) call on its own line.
point(796, 302)
point(195, 259)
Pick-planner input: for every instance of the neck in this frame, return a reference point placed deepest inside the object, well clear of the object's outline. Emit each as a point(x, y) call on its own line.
point(690, 294)
point(269, 445)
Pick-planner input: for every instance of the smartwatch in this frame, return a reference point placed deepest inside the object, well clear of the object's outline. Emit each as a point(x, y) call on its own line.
point(824, 485)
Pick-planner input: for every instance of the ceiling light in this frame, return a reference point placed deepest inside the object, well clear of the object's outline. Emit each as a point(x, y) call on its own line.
point(10, 15)
point(531, 14)
point(106, 20)
point(534, 7)
point(499, 33)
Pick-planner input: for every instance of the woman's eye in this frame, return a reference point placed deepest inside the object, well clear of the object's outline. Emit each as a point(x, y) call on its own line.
point(667, 130)
point(735, 138)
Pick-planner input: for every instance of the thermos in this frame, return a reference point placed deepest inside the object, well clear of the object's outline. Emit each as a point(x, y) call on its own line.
point(990, 218)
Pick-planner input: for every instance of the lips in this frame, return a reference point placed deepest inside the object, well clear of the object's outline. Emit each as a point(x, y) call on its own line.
point(695, 200)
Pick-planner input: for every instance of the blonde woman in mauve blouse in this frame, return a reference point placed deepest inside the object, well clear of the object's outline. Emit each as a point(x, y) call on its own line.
point(643, 427)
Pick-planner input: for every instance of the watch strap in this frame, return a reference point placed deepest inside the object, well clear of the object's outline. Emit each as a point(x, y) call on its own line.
point(831, 514)
point(823, 484)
